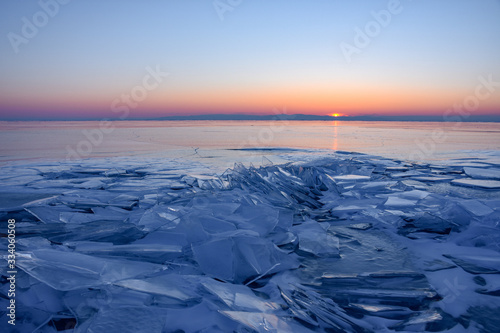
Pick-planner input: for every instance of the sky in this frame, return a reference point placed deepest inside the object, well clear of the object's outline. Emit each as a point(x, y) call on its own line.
point(75, 59)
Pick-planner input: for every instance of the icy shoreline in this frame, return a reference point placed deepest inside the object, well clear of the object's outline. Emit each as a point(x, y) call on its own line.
point(349, 242)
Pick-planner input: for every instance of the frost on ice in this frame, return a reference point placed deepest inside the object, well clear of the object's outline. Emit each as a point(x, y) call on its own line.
point(345, 243)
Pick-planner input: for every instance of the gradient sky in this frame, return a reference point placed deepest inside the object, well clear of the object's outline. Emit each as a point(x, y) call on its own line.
point(263, 55)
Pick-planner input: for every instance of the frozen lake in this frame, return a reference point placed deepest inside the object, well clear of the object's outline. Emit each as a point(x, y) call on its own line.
point(324, 226)
point(422, 141)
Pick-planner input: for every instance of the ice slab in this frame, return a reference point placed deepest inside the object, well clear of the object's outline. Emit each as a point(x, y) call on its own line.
point(482, 173)
point(426, 223)
point(69, 270)
point(351, 178)
point(480, 183)
point(476, 208)
point(477, 264)
point(240, 257)
point(13, 201)
point(395, 201)
point(432, 179)
point(238, 297)
point(314, 240)
point(157, 253)
point(174, 286)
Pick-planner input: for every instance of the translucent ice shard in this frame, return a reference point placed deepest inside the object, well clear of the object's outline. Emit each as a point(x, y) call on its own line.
point(171, 285)
point(156, 217)
point(70, 270)
point(216, 258)
point(240, 257)
point(315, 241)
point(260, 218)
point(239, 297)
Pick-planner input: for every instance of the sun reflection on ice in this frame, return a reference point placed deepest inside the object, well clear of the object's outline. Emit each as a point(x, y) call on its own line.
point(335, 133)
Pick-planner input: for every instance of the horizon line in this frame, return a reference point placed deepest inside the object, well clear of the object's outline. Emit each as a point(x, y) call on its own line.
point(283, 117)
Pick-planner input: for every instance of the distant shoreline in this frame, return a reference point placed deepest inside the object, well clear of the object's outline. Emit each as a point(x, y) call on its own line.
point(292, 117)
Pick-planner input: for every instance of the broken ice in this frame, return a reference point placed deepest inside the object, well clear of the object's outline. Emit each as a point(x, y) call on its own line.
point(344, 243)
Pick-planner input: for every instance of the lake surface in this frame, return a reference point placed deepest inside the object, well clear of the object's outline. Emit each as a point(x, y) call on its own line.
point(139, 211)
point(231, 141)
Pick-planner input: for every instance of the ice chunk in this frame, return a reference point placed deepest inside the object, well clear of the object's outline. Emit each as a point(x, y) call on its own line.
point(111, 213)
point(420, 320)
point(414, 194)
point(156, 217)
point(437, 265)
point(426, 223)
point(116, 232)
point(77, 218)
point(432, 179)
point(260, 218)
point(95, 183)
point(240, 257)
point(360, 226)
point(325, 309)
point(238, 297)
point(70, 270)
point(213, 225)
point(476, 207)
point(316, 241)
point(12, 201)
point(384, 311)
point(396, 168)
point(411, 173)
point(480, 183)
point(216, 258)
point(482, 173)
point(172, 285)
point(396, 201)
point(157, 253)
point(32, 243)
point(351, 178)
point(47, 214)
point(476, 264)
point(486, 316)
point(378, 185)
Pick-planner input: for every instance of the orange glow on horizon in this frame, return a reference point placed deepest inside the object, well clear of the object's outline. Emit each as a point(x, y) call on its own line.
point(335, 101)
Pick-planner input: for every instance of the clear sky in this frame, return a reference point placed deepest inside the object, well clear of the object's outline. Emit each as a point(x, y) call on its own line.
point(247, 56)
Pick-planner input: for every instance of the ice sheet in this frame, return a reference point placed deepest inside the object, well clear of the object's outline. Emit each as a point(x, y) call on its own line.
point(343, 242)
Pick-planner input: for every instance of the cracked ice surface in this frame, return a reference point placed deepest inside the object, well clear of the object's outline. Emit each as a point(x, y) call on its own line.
point(342, 243)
